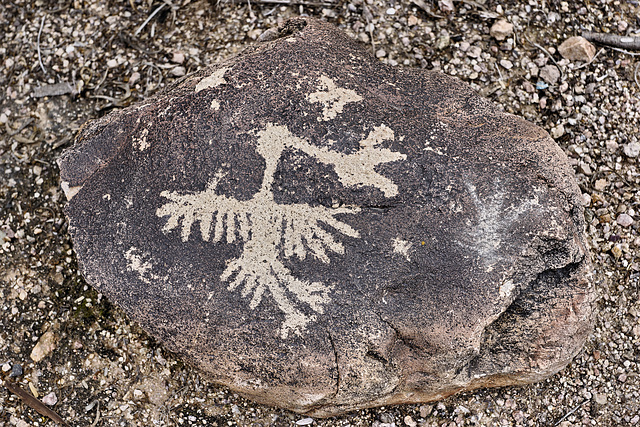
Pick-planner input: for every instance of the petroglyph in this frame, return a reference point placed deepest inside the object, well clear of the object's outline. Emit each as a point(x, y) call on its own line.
point(332, 98)
point(214, 80)
point(493, 219)
point(136, 262)
point(267, 229)
point(141, 142)
point(402, 247)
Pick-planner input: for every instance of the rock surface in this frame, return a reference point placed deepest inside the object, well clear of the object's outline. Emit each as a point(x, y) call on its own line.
point(321, 232)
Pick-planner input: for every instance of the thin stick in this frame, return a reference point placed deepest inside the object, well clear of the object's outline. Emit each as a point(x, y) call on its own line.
point(586, 64)
point(570, 412)
point(34, 403)
point(39, 53)
point(548, 54)
point(144, 24)
point(624, 51)
point(614, 40)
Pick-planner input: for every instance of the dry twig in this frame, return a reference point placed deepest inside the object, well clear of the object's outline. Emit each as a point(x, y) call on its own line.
point(39, 53)
point(144, 24)
point(548, 54)
point(613, 40)
point(34, 403)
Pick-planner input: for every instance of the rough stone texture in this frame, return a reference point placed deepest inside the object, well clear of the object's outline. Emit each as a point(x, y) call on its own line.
point(577, 49)
point(321, 232)
point(501, 29)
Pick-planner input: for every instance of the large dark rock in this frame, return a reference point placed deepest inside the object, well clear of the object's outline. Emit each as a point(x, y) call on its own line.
point(321, 232)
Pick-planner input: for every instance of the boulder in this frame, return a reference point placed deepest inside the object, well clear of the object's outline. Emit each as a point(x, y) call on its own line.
point(322, 232)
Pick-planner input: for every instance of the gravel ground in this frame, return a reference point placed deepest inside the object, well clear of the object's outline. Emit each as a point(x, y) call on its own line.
point(65, 62)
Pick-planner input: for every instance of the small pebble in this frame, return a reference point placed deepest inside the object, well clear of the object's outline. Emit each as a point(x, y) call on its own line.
point(6, 367)
point(506, 64)
point(577, 49)
point(304, 422)
point(178, 71)
point(408, 420)
point(16, 370)
point(50, 399)
point(631, 149)
point(550, 74)
point(501, 29)
point(177, 57)
point(112, 63)
point(624, 220)
point(386, 417)
point(601, 184)
point(425, 410)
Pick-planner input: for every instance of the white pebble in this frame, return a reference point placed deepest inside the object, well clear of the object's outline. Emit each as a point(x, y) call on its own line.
point(178, 71)
point(112, 63)
point(632, 149)
point(391, 11)
point(624, 220)
point(50, 399)
point(304, 422)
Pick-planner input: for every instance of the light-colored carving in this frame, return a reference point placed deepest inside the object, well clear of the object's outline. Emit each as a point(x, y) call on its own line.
point(493, 218)
point(214, 80)
point(268, 229)
point(141, 142)
point(136, 262)
point(332, 98)
point(402, 247)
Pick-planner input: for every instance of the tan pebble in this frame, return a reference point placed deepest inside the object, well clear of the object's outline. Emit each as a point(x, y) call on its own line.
point(601, 184)
point(46, 344)
point(577, 49)
point(410, 421)
point(501, 29)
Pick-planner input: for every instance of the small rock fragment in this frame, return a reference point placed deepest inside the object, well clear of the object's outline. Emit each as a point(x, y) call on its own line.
point(409, 421)
point(501, 29)
point(631, 149)
point(178, 71)
point(412, 20)
point(557, 131)
point(46, 344)
point(177, 57)
point(600, 184)
point(425, 410)
point(304, 422)
point(446, 6)
point(624, 220)
point(506, 64)
point(16, 370)
point(112, 63)
point(550, 74)
point(577, 49)
point(601, 399)
point(6, 367)
point(50, 399)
